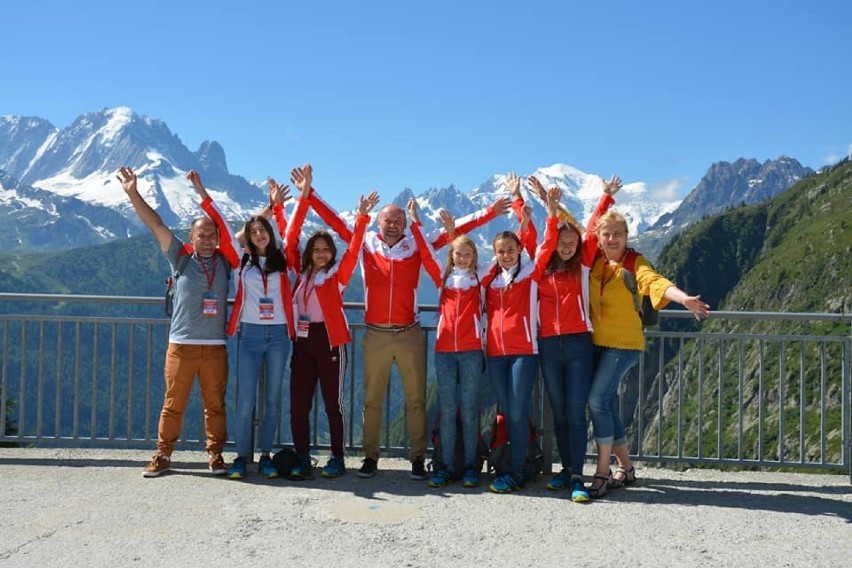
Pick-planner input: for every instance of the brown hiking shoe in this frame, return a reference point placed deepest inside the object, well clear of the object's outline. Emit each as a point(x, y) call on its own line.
point(217, 464)
point(159, 465)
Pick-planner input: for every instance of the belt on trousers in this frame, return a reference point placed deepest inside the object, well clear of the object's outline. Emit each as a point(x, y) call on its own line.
point(394, 329)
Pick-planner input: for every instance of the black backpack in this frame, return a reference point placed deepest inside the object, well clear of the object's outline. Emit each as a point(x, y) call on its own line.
point(500, 453)
point(649, 316)
point(458, 465)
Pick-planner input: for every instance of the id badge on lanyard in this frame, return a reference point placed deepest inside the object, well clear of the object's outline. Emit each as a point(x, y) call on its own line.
point(267, 309)
point(303, 327)
point(210, 305)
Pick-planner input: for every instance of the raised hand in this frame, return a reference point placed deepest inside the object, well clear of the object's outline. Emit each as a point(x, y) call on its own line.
point(537, 188)
point(278, 193)
point(302, 179)
point(501, 206)
point(194, 177)
point(612, 186)
point(127, 178)
point(447, 221)
point(513, 182)
point(366, 204)
point(554, 194)
point(526, 216)
point(412, 210)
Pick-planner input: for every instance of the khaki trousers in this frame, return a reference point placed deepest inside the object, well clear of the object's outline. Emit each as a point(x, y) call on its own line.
point(380, 350)
point(183, 364)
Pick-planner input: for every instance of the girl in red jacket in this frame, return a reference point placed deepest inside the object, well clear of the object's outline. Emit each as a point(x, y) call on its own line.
point(511, 294)
point(565, 342)
point(322, 332)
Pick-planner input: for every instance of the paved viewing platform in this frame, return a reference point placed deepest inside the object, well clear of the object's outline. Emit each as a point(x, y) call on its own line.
point(83, 507)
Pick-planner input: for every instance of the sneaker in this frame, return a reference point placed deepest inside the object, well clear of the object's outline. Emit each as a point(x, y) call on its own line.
point(334, 468)
point(368, 468)
point(302, 469)
point(238, 468)
point(441, 478)
point(560, 481)
point(266, 467)
point(505, 484)
point(470, 477)
point(578, 490)
point(418, 469)
point(159, 465)
point(217, 464)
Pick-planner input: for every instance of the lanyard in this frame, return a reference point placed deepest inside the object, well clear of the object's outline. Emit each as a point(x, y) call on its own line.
point(210, 277)
point(308, 288)
point(265, 277)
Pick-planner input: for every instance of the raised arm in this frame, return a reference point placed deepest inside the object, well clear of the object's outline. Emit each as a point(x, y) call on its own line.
point(151, 218)
point(347, 264)
point(325, 211)
point(228, 245)
point(427, 253)
point(590, 238)
point(551, 232)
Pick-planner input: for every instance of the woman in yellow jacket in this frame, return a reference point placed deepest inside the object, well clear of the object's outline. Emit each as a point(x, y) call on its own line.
point(619, 340)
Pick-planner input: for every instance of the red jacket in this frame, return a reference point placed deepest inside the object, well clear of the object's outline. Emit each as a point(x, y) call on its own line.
point(391, 274)
point(563, 298)
point(513, 310)
point(329, 285)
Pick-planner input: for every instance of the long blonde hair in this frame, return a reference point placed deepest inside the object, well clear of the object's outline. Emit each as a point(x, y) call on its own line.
point(461, 240)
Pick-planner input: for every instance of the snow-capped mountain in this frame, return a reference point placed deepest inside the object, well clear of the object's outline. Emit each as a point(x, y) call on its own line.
point(57, 168)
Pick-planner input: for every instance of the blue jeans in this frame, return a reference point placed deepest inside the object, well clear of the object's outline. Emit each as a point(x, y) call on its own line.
point(610, 367)
point(566, 369)
point(458, 375)
point(259, 344)
point(512, 378)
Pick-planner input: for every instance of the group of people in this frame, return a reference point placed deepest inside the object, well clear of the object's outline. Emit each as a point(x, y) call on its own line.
point(565, 310)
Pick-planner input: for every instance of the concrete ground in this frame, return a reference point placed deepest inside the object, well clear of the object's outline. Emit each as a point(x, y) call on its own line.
point(83, 507)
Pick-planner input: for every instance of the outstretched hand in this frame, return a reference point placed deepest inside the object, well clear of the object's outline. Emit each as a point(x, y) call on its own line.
point(554, 194)
point(513, 182)
point(612, 186)
point(698, 308)
point(501, 206)
point(537, 189)
point(448, 222)
point(278, 194)
point(302, 179)
point(366, 204)
point(127, 178)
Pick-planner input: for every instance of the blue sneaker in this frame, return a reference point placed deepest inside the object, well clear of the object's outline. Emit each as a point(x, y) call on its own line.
point(470, 478)
point(441, 478)
point(302, 469)
point(560, 481)
point(578, 490)
point(267, 468)
point(238, 468)
point(334, 468)
point(505, 484)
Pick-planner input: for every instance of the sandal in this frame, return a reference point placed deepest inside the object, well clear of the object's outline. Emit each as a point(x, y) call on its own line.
point(628, 477)
point(600, 483)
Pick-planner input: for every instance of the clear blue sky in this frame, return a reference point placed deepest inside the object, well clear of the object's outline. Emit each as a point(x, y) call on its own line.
point(397, 94)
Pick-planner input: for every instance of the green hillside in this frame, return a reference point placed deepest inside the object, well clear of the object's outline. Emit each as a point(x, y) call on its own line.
point(789, 254)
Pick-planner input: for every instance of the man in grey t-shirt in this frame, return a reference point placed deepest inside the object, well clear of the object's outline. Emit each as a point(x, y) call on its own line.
point(197, 341)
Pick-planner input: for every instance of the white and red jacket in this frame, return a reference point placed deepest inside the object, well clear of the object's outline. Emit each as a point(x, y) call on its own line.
point(234, 258)
point(563, 297)
point(329, 284)
point(511, 300)
point(391, 274)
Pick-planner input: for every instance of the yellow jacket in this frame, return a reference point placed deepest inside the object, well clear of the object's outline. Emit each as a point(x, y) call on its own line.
point(614, 318)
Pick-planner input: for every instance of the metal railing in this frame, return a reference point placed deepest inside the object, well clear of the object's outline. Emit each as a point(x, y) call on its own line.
point(711, 395)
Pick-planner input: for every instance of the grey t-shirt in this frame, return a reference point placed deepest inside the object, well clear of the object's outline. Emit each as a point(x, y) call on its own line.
point(189, 324)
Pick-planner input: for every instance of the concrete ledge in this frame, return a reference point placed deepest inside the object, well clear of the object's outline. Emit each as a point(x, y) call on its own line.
point(69, 507)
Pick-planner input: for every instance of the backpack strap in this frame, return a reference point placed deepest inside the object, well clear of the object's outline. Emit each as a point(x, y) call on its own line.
point(183, 260)
point(629, 276)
